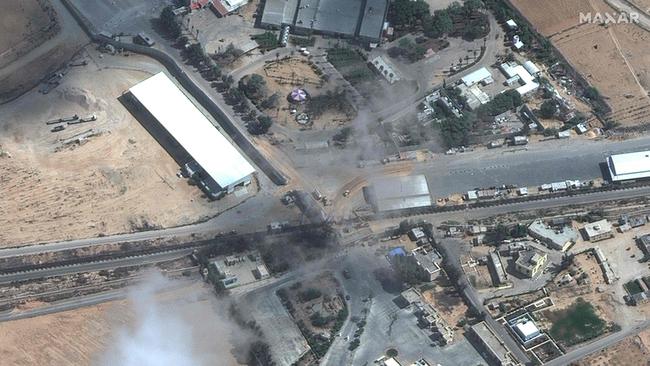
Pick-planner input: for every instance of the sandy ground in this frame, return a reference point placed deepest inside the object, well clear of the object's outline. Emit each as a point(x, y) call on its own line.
point(101, 334)
point(284, 76)
point(614, 59)
point(631, 351)
point(553, 16)
point(111, 184)
point(24, 25)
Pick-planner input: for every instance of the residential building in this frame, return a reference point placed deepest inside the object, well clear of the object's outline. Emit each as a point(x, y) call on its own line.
point(531, 262)
point(558, 238)
point(428, 261)
point(644, 243)
point(599, 230)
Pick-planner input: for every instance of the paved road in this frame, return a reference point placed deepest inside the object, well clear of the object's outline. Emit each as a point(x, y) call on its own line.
point(598, 345)
point(81, 301)
point(95, 266)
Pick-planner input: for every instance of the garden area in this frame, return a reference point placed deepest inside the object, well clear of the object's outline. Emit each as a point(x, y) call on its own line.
point(350, 64)
point(576, 324)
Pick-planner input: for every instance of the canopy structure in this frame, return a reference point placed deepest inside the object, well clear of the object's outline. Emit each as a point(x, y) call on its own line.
point(298, 95)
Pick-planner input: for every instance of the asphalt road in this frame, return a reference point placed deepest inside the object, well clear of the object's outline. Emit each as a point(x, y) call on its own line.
point(598, 345)
point(95, 266)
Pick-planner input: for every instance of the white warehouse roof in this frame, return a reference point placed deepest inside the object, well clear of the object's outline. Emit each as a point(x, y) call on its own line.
point(634, 165)
point(192, 130)
point(477, 76)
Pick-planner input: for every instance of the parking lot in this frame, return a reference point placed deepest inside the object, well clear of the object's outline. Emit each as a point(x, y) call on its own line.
point(388, 326)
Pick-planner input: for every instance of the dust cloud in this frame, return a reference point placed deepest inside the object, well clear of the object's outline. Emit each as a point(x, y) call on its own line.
point(190, 329)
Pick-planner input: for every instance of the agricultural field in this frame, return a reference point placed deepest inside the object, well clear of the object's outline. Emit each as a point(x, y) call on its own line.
point(614, 59)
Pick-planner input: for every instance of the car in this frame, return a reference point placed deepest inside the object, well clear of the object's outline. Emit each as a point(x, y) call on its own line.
point(143, 39)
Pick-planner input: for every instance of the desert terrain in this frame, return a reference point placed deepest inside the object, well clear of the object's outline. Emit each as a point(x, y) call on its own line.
point(25, 25)
point(38, 38)
point(112, 183)
point(612, 58)
point(102, 334)
point(633, 350)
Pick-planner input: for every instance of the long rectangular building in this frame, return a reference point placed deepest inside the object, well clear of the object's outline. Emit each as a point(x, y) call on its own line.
point(629, 166)
point(396, 193)
point(361, 19)
point(213, 160)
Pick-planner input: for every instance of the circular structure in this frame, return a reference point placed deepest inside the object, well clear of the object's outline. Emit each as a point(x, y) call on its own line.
point(298, 95)
point(302, 119)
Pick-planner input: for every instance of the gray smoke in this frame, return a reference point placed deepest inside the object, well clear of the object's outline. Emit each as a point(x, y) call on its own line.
point(188, 328)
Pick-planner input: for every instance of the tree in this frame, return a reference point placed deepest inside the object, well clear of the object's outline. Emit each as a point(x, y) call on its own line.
point(406, 13)
point(168, 22)
point(254, 86)
point(271, 102)
point(260, 126)
point(592, 93)
point(548, 109)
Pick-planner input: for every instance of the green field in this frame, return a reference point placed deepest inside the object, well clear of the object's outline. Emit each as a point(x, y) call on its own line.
point(350, 64)
point(576, 324)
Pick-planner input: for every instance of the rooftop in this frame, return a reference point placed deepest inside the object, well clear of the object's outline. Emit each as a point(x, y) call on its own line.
point(598, 228)
point(634, 165)
point(492, 342)
point(530, 258)
point(558, 237)
point(526, 329)
point(192, 129)
point(396, 193)
point(363, 18)
point(476, 76)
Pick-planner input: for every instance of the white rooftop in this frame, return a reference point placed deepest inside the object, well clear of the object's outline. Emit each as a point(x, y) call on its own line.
point(513, 69)
point(599, 227)
point(527, 329)
point(634, 165)
point(192, 129)
point(477, 76)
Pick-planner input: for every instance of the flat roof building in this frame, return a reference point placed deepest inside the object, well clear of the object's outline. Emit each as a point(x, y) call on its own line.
point(478, 76)
point(558, 238)
point(211, 158)
point(629, 166)
point(395, 193)
point(531, 262)
point(495, 350)
point(497, 271)
point(362, 19)
point(599, 230)
point(527, 81)
point(525, 329)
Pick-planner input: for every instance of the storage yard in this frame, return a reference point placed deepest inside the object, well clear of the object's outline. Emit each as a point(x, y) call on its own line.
point(118, 175)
